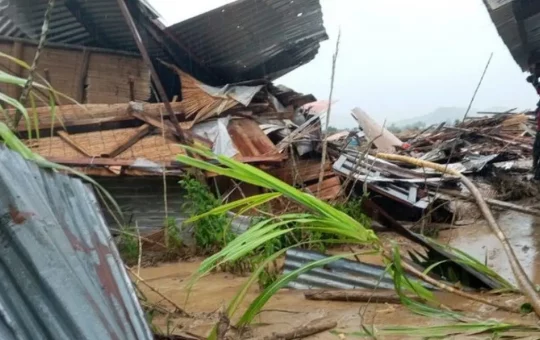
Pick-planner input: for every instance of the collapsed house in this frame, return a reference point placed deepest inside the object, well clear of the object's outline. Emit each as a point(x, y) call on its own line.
point(217, 70)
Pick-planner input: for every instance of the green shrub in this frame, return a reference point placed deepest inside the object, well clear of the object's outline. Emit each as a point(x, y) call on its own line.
point(211, 233)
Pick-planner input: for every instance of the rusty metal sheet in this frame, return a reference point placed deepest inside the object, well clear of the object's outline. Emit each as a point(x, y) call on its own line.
point(61, 276)
point(249, 139)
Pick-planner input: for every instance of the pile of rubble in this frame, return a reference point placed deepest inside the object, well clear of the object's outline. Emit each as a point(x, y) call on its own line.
point(484, 147)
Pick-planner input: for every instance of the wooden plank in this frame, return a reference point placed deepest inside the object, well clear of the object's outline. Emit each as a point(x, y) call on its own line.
point(94, 114)
point(330, 188)
point(129, 141)
point(100, 161)
point(66, 138)
point(168, 127)
point(278, 158)
point(80, 95)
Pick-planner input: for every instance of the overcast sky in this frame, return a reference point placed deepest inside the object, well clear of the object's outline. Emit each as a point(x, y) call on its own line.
point(399, 59)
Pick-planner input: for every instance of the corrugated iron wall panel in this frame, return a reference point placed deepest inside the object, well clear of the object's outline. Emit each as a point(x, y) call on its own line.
point(61, 276)
point(141, 200)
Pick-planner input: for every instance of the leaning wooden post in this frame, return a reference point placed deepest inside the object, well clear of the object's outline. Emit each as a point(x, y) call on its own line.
point(182, 138)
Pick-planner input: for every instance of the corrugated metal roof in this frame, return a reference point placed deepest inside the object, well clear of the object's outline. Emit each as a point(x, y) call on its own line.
point(60, 274)
point(341, 274)
point(96, 23)
point(252, 39)
point(248, 39)
point(518, 24)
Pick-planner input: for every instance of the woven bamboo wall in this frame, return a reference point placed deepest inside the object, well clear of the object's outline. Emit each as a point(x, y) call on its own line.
point(152, 147)
point(108, 78)
point(107, 75)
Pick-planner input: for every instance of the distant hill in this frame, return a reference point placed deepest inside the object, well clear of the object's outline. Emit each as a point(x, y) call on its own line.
point(442, 114)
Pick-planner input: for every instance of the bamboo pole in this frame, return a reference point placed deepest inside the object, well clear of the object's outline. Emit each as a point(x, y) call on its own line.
point(28, 85)
point(325, 132)
point(523, 281)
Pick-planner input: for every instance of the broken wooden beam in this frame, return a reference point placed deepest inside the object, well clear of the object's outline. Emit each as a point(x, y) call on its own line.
point(100, 161)
point(518, 144)
point(357, 295)
point(315, 327)
point(67, 138)
point(139, 133)
point(168, 127)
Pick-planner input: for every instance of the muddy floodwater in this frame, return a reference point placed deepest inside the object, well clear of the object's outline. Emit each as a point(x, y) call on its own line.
point(289, 308)
point(523, 232)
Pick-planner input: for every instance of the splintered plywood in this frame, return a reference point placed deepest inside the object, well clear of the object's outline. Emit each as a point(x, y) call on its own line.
point(249, 139)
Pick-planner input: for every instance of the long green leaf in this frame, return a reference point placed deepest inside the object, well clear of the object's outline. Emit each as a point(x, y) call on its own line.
point(253, 200)
point(16, 104)
point(241, 294)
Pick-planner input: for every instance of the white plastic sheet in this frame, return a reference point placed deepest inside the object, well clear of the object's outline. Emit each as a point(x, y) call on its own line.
point(216, 131)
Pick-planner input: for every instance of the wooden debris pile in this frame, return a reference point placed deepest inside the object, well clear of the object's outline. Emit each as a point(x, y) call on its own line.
point(508, 135)
point(256, 122)
point(479, 146)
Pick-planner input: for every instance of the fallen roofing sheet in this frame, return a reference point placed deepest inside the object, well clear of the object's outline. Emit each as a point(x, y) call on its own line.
point(254, 39)
point(61, 276)
point(340, 274)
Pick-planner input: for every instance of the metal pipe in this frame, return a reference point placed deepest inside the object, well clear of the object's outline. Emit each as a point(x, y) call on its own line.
point(157, 82)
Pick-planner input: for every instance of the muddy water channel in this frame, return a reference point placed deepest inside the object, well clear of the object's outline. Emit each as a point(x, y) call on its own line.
point(523, 231)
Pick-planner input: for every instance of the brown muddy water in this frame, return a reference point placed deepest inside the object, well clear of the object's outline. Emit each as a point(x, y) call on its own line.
point(289, 309)
point(523, 232)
